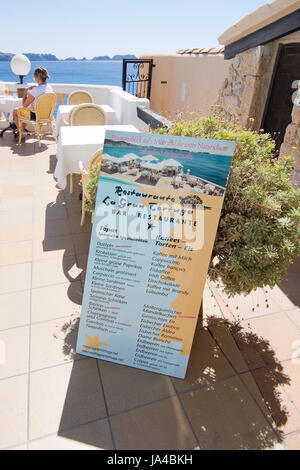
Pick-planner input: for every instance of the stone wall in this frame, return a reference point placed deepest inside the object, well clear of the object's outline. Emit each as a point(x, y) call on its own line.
point(291, 145)
point(243, 94)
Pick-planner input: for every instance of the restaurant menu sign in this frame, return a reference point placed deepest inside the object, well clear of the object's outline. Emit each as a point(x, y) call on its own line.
point(157, 211)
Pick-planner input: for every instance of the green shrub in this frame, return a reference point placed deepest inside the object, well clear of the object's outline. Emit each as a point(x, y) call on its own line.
point(258, 234)
point(92, 186)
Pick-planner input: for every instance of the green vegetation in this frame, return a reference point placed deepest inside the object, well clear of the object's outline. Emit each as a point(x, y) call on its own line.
point(258, 235)
point(92, 186)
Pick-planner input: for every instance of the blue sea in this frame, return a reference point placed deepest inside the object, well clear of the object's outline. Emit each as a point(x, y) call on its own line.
point(106, 72)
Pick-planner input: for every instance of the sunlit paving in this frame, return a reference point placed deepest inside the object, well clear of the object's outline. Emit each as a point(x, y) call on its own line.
point(132, 335)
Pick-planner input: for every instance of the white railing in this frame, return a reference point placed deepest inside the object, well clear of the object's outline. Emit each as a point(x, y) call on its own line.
point(122, 102)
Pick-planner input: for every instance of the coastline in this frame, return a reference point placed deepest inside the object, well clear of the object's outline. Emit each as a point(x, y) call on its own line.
point(6, 57)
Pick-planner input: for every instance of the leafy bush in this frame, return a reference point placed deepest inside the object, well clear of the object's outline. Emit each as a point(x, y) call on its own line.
point(258, 234)
point(92, 186)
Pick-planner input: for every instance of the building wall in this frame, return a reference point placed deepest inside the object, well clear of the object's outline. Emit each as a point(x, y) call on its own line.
point(192, 83)
point(258, 19)
point(291, 145)
point(244, 93)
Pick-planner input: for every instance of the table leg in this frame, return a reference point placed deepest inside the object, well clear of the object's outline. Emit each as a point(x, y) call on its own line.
point(9, 128)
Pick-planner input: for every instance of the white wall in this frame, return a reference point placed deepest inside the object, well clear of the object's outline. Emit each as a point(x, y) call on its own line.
point(122, 102)
point(126, 107)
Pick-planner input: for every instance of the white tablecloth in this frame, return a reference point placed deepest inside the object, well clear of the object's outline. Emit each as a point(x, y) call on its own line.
point(8, 104)
point(63, 111)
point(80, 143)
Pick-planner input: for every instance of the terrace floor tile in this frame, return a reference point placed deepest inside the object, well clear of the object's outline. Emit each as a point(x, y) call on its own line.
point(92, 436)
point(13, 412)
point(126, 388)
point(62, 300)
point(160, 426)
point(294, 316)
point(16, 233)
point(293, 441)
point(207, 364)
point(236, 422)
point(65, 397)
point(15, 252)
point(48, 343)
point(279, 331)
point(274, 386)
point(54, 271)
point(52, 247)
point(15, 278)
point(15, 309)
point(225, 339)
point(16, 344)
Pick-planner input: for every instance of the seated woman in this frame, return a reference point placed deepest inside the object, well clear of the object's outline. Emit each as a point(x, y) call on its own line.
point(33, 92)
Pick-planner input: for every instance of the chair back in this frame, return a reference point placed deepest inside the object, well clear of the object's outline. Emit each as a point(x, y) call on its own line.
point(88, 115)
point(45, 106)
point(79, 97)
point(69, 118)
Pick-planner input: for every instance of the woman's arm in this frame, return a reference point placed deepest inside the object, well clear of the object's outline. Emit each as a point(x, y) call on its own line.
point(28, 99)
point(25, 94)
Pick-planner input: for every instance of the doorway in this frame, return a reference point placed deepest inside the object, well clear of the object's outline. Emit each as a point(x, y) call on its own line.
point(279, 104)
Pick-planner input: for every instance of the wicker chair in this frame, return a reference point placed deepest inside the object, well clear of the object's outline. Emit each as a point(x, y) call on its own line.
point(44, 109)
point(85, 115)
point(88, 115)
point(79, 97)
point(86, 176)
point(67, 122)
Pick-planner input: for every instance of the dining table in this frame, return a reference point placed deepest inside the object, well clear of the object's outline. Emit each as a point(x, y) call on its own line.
point(7, 105)
point(80, 143)
point(63, 112)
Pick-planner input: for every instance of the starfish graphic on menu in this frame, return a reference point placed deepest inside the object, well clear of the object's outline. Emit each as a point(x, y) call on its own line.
point(93, 343)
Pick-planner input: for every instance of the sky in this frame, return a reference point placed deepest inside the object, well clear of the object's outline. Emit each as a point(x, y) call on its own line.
point(78, 28)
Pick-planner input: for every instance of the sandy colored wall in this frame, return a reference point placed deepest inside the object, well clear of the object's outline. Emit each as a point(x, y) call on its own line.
point(192, 83)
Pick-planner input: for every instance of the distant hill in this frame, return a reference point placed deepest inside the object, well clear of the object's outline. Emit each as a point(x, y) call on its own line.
point(121, 57)
point(36, 57)
point(102, 57)
point(6, 57)
point(115, 57)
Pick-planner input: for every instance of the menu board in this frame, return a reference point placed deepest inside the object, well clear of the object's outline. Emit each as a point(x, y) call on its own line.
point(157, 211)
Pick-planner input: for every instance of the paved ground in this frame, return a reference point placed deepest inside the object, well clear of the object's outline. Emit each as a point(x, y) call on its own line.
point(242, 389)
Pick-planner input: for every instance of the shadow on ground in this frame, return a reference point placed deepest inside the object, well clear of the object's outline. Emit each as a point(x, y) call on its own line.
point(254, 348)
point(290, 284)
point(226, 407)
point(62, 225)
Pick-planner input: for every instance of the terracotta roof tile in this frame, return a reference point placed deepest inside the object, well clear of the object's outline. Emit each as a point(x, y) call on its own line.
point(202, 50)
